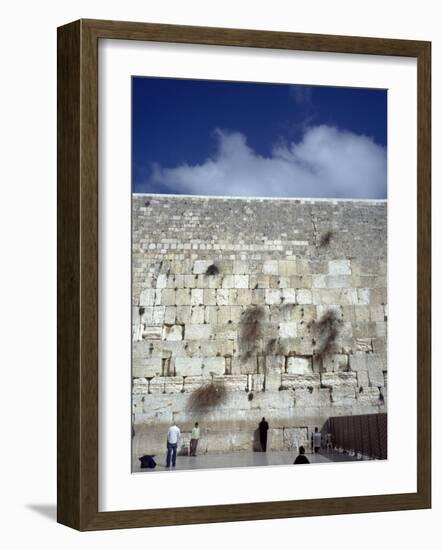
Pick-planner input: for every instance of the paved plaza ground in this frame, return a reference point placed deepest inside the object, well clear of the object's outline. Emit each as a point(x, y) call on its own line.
point(233, 460)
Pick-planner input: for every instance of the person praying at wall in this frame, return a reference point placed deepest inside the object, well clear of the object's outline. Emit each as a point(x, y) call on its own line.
point(263, 429)
point(194, 439)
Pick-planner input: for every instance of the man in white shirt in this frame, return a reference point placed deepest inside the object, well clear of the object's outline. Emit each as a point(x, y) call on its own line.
point(173, 437)
point(194, 439)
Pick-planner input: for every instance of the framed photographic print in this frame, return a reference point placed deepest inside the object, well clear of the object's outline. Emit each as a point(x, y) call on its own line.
point(244, 275)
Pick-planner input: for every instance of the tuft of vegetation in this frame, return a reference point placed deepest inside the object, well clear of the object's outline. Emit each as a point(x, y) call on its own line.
point(325, 331)
point(275, 347)
point(207, 396)
point(213, 269)
point(326, 238)
point(251, 331)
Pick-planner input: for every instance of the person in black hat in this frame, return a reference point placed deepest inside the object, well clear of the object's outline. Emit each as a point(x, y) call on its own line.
point(301, 458)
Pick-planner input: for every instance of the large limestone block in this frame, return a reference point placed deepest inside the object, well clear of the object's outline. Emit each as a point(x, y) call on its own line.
point(312, 397)
point(241, 281)
point(369, 397)
point(300, 381)
point(243, 297)
point(362, 378)
point(228, 282)
point(270, 267)
point(197, 332)
point(188, 366)
point(289, 296)
point(343, 395)
point(173, 332)
point(162, 280)
point(304, 296)
point(240, 267)
point(335, 362)
point(170, 315)
point(257, 382)
point(200, 266)
point(299, 365)
point(375, 376)
point(334, 379)
point(287, 267)
point(168, 297)
point(272, 400)
point(287, 330)
point(214, 365)
point(196, 297)
point(363, 296)
point(358, 361)
point(197, 315)
point(153, 315)
point(272, 381)
point(318, 281)
point(233, 382)
point(293, 438)
point(274, 439)
point(182, 297)
point(275, 364)
point(338, 281)
point(241, 441)
point(157, 385)
point(192, 383)
point(273, 296)
point(209, 297)
point(140, 386)
point(183, 314)
point(222, 297)
point(147, 367)
point(150, 297)
point(339, 267)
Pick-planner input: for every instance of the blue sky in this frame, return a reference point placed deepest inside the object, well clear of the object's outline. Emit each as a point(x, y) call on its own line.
point(253, 139)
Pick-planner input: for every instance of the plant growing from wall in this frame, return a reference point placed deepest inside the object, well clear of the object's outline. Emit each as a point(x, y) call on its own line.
point(325, 330)
point(212, 270)
point(207, 396)
point(325, 238)
point(251, 331)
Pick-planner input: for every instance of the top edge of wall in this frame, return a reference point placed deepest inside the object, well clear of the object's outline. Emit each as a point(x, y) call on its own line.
point(259, 199)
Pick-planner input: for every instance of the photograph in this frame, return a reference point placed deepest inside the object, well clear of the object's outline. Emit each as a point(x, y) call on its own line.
point(259, 274)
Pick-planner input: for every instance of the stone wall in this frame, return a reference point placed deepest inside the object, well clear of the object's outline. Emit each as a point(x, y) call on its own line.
point(281, 302)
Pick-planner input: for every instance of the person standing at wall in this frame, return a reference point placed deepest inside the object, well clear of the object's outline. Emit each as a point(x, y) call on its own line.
point(173, 437)
point(316, 440)
point(194, 438)
point(263, 429)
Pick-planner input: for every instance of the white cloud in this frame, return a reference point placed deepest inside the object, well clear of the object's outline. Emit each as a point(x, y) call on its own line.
point(327, 162)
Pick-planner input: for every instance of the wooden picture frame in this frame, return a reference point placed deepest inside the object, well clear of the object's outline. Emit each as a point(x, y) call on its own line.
point(78, 274)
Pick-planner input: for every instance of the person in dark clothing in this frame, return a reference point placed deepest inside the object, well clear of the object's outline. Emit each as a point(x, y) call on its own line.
point(263, 429)
point(301, 458)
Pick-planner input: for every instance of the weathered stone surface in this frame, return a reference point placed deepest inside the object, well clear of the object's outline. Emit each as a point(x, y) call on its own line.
point(187, 321)
point(299, 365)
point(214, 365)
point(287, 330)
point(174, 332)
point(147, 367)
point(339, 267)
point(188, 366)
point(333, 379)
point(197, 332)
